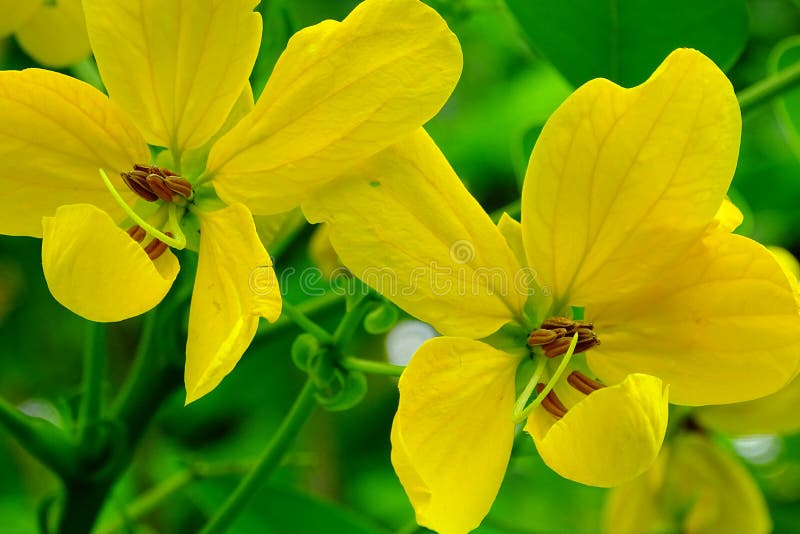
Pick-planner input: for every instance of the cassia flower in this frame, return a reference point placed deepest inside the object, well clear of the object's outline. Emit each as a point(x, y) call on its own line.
point(52, 33)
point(623, 216)
point(177, 76)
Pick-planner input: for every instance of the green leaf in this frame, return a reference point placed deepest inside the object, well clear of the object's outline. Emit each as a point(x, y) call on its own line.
point(787, 107)
point(625, 40)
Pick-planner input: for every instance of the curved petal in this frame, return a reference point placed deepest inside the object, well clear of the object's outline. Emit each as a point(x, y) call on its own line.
point(773, 414)
point(176, 67)
point(512, 232)
point(712, 491)
point(404, 224)
point(728, 216)
point(720, 327)
point(607, 438)
point(452, 435)
point(235, 285)
point(56, 35)
point(55, 133)
point(95, 269)
point(15, 14)
point(338, 94)
point(615, 170)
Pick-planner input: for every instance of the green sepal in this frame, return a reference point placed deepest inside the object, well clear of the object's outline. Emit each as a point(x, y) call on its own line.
point(511, 338)
point(353, 388)
point(304, 349)
point(382, 318)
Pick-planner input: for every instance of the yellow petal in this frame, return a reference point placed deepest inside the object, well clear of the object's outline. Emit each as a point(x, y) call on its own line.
point(636, 507)
point(721, 326)
point(95, 269)
point(55, 133)
point(15, 14)
point(512, 232)
point(176, 67)
point(56, 35)
point(729, 216)
point(405, 225)
point(607, 438)
point(616, 170)
point(711, 491)
point(235, 285)
point(452, 435)
point(321, 251)
point(773, 414)
point(272, 229)
point(338, 94)
point(787, 262)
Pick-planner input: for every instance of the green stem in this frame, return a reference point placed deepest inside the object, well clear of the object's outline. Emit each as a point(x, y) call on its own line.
point(46, 442)
point(350, 323)
point(352, 363)
point(91, 410)
point(301, 410)
point(300, 319)
point(308, 308)
point(768, 88)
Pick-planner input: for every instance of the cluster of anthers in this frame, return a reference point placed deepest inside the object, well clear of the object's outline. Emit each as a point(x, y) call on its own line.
point(555, 337)
point(152, 184)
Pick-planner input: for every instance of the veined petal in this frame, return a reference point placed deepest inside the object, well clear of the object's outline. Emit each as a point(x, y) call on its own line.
point(609, 437)
point(404, 224)
point(452, 434)
point(235, 285)
point(16, 13)
point(773, 414)
point(55, 133)
point(616, 170)
point(176, 67)
point(56, 35)
point(96, 270)
point(721, 326)
point(338, 94)
point(512, 232)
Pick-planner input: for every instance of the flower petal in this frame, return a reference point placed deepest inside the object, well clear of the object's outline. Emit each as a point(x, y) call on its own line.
point(728, 215)
point(338, 94)
point(177, 67)
point(773, 414)
point(609, 437)
point(56, 35)
point(452, 435)
point(15, 14)
point(95, 269)
point(235, 285)
point(405, 225)
point(615, 170)
point(55, 133)
point(720, 327)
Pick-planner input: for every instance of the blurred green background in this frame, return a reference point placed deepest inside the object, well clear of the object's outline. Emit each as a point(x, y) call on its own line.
point(520, 61)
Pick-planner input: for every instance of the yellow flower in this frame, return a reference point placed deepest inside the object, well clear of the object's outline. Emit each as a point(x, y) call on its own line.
point(52, 33)
point(177, 76)
point(694, 487)
point(618, 218)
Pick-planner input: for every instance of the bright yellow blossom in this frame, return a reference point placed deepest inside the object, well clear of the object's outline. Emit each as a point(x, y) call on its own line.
point(694, 487)
point(52, 33)
point(618, 218)
point(177, 76)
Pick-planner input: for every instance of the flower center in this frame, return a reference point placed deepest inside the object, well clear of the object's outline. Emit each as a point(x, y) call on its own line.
point(153, 183)
point(556, 337)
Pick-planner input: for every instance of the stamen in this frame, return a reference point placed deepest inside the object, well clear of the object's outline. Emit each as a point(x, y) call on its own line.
point(153, 183)
point(156, 248)
point(583, 383)
point(137, 233)
point(552, 403)
point(554, 336)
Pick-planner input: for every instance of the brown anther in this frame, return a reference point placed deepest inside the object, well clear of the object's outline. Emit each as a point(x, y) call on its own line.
point(155, 183)
point(135, 185)
point(552, 403)
point(542, 337)
point(157, 247)
point(179, 185)
point(157, 186)
point(137, 233)
point(557, 347)
point(555, 335)
point(583, 383)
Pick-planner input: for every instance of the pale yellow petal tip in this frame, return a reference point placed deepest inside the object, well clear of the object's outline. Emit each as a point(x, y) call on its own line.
point(94, 269)
point(610, 437)
point(728, 216)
